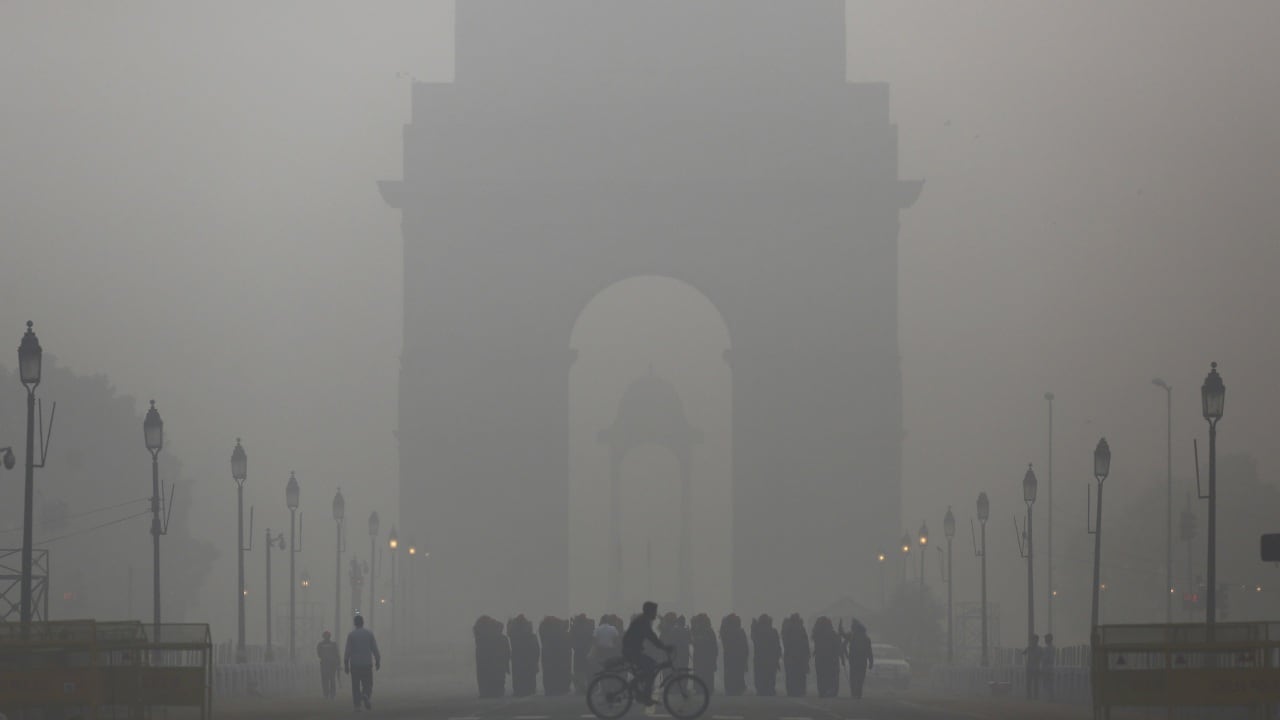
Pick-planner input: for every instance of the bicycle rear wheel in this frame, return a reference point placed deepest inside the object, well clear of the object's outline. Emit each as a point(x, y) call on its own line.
point(685, 696)
point(609, 696)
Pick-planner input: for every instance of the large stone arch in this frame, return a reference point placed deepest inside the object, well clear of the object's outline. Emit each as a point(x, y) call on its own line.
point(563, 159)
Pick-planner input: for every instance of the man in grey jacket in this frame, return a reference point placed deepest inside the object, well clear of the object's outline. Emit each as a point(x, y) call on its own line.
point(359, 660)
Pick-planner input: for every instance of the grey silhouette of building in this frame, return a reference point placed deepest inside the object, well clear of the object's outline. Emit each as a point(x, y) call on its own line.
point(584, 142)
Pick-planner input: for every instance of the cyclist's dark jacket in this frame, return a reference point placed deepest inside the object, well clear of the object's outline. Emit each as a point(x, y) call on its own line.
point(641, 629)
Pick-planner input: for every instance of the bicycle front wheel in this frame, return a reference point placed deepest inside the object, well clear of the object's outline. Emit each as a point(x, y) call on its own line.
point(609, 696)
point(685, 696)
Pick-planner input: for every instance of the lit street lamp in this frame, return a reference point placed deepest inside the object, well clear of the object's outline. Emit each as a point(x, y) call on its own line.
point(1168, 518)
point(339, 511)
point(880, 558)
point(292, 496)
point(30, 356)
point(906, 555)
point(1101, 468)
point(374, 526)
point(272, 543)
point(153, 435)
point(924, 540)
point(393, 542)
point(239, 471)
point(1213, 395)
point(949, 530)
point(984, 512)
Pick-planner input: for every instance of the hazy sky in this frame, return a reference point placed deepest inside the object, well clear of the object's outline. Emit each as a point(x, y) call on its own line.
point(187, 204)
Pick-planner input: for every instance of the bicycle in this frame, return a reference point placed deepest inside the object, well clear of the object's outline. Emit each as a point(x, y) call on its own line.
point(615, 688)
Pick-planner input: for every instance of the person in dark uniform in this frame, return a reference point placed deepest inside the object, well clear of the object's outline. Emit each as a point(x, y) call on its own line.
point(706, 650)
point(582, 633)
point(736, 653)
point(768, 649)
point(795, 654)
point(633, 644)
point(525, 653)
point(557, 656)
point(858, 646)
point(681, 638)
point(327, 651)
point(828, 654)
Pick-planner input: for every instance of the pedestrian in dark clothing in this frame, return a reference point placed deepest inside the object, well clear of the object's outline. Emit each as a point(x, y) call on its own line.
point(639, 634)
point(557, 656)
point(1048, 660)
point(327, 651)
point(706, 650)
point(828, 655)
point(582, 633)
point(360, 658)
point(680, 639)
point(795, 655)
point(525, 654)
point(768, 649)
point(858, 647)
point(1033, 659)
point(736, 652)
point(493, 658)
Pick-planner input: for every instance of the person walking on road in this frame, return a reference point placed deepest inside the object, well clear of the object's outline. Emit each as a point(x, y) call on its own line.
point(359, 660)
point(327, 651)
point(860, 657)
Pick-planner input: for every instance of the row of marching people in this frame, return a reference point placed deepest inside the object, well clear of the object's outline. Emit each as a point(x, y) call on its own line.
point(567, 653)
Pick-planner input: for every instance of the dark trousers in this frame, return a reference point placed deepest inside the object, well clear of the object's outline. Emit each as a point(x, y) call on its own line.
point(857, 677)
point(645, 667)
point(361, 684)
point(1033, 684)
point(329, 681)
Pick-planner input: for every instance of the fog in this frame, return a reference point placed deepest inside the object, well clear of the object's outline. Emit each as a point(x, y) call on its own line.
point(189, 206)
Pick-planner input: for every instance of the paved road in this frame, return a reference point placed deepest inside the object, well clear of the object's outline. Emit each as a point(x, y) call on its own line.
point(403, 703)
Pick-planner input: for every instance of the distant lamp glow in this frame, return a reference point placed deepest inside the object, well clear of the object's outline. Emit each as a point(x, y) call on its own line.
point(924, 535)
point(880, 557)
point(906, 543)
point(394, 541)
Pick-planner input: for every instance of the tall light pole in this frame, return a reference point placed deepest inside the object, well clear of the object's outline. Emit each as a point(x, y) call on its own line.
point(153, 435)
point(272, 543)
point(880, 559)
point(984, 512)
point(30, 356)
point(1049, 553)
point(339, 510)
point(239, 471)
point(1101, 468)
point(1168, 534)
point(906, 555)
point(949, 530)
point(924, 540)
point(1029, 497)
point(374, 526)
point(292, 495)
point(393, 542)
point(1213, 395)
point(408, 581)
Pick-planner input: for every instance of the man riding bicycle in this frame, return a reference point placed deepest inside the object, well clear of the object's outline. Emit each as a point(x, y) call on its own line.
point(641, 630)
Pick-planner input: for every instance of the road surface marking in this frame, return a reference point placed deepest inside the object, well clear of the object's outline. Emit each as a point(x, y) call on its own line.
point(794, 718)
point(532, 717)
point(726, 717)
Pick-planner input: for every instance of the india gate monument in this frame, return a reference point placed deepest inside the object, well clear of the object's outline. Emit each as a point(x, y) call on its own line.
point(583, 143)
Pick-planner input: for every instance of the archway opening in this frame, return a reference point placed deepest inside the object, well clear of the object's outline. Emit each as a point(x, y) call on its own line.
point(637, 328)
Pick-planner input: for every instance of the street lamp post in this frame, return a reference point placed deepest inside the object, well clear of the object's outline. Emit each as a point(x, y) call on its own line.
point(1187, 533)
point(984, 512)
point(1029, 497)
point(339, 511)
point(407, 581)
point(272, 543)
point(1168, 532)
point(949, 530)
point(1101, 468)
point(1213, 395)
point(153, 435)
point(1049, 547)
point(880, 559)
point(374, 526)
point(30, 356)
point(906, 555)
point(292, 495)
point(924, 540)
point(393, 542)
point(239, 470)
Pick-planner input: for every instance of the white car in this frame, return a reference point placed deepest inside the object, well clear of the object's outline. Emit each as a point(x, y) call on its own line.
point(891, 666)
